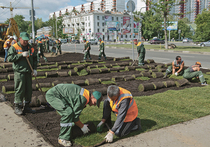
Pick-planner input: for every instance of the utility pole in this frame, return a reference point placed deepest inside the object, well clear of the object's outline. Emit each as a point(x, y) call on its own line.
point(140, 36)
point(32, 20)
point(56, 28)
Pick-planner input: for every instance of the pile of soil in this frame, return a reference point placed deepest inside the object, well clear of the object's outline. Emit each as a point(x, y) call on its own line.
point(47, 121)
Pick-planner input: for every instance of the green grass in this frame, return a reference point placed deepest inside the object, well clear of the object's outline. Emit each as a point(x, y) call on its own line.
point(140, 69)
point(40, 77)
point(82, 72)
point(108, 82)
point(158, 47)
point(156, 111)
point(3, 80)
point(47, 69)
point(44, 89)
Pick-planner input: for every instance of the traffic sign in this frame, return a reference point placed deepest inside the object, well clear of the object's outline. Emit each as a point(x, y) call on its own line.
point(130, 6)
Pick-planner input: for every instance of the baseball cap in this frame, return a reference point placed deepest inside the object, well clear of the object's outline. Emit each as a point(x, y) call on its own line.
point(24, 36)
point(198, 63)
point(98, 97)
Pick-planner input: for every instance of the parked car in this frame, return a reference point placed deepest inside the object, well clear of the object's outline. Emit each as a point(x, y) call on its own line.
point(75, 41)
point(63, 40)
point(51, 42)
point(156, 41)
point(207, 43)
point(187, 40)
point(93, 41)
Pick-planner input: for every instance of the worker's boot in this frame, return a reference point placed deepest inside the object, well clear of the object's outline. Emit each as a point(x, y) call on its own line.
point(18, 109)
point(27, 109)
point(99, 58)
point(165, 76)
point(105, 57)
point(65, 143)
point(45, 59)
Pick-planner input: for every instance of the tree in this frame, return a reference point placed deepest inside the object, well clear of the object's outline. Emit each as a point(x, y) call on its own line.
point(202, 32)
point(164, 7)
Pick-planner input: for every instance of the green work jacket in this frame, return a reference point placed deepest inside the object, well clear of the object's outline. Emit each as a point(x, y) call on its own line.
point(20, 63)
point(102, 46)
point(140, 48)
point(87, 44)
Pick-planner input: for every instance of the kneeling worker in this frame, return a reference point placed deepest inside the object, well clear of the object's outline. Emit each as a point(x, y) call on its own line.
point(69, 100)
point(177, 67)
point(121, 102)
point(194, 71)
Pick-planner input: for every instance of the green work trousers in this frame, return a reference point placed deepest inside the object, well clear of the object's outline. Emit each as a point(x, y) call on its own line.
point(100, 54)
point(87, 54)
point(41, 54)
point(58, 49)
point(66, 112)
point(48, 49)
point(141, 59)
point(23, 87)
point(169, 70)
point(189, 75)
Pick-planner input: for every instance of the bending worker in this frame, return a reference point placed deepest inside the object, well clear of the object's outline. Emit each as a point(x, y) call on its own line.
point(194, 71)
point(40, 51)
point(69, 100)
point(141, 52)
point(86, 49)
point(101, 49)
point(177, 67)
point(22, 72)
point(121, 102)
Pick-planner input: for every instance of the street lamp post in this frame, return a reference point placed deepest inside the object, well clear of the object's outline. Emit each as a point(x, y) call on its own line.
point(140, 23)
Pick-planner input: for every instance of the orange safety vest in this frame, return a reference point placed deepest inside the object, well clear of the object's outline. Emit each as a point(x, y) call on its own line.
point(132, 110)
point(19, 49)
point(8, 41)
point(13, 42)
point(86, 94)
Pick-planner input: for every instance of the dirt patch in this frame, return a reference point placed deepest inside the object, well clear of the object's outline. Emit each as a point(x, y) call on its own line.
point(50, 120)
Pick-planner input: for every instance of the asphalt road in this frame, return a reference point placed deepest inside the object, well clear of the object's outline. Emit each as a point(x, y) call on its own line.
point(158, 56)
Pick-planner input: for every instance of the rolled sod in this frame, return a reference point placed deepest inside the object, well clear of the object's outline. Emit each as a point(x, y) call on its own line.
point(123, 64)
point(72, 73)
point(34, 88)
point(91, 66)
point(157, 75)
point(181, 82)
point(9, 69)
point(44, 85)
point(168, 64)
point(42, 100)
point(137, 75)
point(54, 66)
point(159, 85)
point(3, 70)
point(48, 63)
point(117, 78)
point(63, 66)
point(77, 132)
point(78, 68)
point(130, 68)
point(43, 67)
point(71, 66)
point(40, 73)
point(63, 74)
point(104, 79)
point(7, 88)
point(169, 83)
point(161, 69)
point(160, 66)
point(94, 61)
point(146, 74)
point(79, 82)
point(104, 70)
point(153, 70)
point(145, 67)
point(108, 65)
point(129, 78)
point(7, 65)
point(54, 83)
point(3, 76)
point(113, 69)
point(34, 102)
point(68, 62)
point(94, 71)
point(150, 61)
point(99, 65)
point(146, 87)
point(151, 66)
point(10, 76)
point(91, 81)
point(51, 74)
point(60, 63)
point(120, 68)
point(117, 59)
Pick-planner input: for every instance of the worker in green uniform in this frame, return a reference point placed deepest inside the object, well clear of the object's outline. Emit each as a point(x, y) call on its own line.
point(58, 46)
point(86, 49)
point(177, 67)
point(40, 51)
point(22, 72)
point(47, 45)
point(194, 71)
point(44, 44)
point(141, 52)
point(69, 100)
point(101, 49)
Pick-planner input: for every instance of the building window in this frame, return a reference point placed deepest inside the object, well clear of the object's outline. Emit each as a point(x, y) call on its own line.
point(126, 36)
point(117, 18)
point(112, 18)
point(102, 17)
point(97, 23)
point(98, 18)
point(89, 24)
point(103, 24)
point(85, 18)
point(103, 30)
point(88, 17)
point(86, 24)
point(121, 36)
point(98, 30)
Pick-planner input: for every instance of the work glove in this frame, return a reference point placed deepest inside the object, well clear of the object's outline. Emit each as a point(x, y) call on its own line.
point(25, 54)
point(85, 51)
point(39, 52)
point(109, 137)
point(100, 127)
point(85, 129)
point(176, 73)
point(35, 73)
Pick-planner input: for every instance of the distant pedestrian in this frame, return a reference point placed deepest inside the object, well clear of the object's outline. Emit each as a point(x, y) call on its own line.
point(47, 45)
point(101, 49)
point(40, 51)
point(58, 46)
point(141, 52)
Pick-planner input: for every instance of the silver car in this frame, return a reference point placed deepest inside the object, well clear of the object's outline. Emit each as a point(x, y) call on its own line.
point(187, 40)
point(203, 44)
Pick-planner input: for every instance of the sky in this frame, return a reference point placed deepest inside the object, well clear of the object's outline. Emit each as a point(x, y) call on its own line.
point(45, 7)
